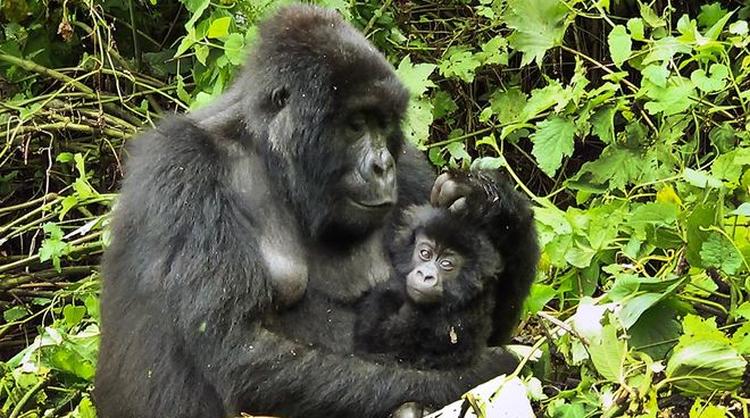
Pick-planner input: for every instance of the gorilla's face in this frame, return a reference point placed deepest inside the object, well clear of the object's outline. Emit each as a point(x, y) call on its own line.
point(331, 108)
point(367, 189)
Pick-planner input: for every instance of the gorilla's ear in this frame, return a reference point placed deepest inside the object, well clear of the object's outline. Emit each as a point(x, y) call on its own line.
point(279, 96)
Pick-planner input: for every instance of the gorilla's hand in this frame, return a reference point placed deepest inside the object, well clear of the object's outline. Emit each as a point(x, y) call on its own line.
point(471, 194)
point(409, 410)
point(452, 192)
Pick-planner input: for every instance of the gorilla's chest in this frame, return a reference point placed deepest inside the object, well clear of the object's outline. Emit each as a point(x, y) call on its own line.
point(325, 315)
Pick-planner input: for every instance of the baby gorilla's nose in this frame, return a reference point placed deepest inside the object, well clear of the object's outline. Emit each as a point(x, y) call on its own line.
point(429, 279)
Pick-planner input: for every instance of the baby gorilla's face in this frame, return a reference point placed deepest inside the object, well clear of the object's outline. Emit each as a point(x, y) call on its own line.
point(433, 265)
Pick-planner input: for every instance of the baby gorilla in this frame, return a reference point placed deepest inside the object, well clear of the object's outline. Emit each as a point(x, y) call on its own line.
point(436, 309)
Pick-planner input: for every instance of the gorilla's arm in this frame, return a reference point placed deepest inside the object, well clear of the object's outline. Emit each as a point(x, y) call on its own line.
point(507, 217)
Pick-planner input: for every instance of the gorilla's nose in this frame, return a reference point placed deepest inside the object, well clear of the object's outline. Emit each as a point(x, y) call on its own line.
point(382, 164)
point(379, 169)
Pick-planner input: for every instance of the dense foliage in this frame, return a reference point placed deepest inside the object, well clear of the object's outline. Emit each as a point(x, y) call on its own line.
point(625, 121)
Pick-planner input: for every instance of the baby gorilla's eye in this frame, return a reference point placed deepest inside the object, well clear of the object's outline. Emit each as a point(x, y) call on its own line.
point(425, 254)
point(446, 265)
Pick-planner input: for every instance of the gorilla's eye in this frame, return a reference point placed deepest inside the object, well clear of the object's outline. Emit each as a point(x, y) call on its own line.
point(425, 254)
point(278, 97)
point(357, 124)
point(447, 264)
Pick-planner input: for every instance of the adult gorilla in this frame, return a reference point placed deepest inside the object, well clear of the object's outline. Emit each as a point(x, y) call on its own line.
point(246, 233)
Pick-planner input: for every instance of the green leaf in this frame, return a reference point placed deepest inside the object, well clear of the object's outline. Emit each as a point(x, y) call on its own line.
point(651, 18)
point(743, 310)
point(538, 297)
point(416, 77)
point(616, 166)
point(553, 140)
point(714, 31)
point(197, 7)
point(701, 218)
point(603, 125)
point(696, 329)
point(509, 104)
point(580, 255)
point(655, 331)
point(542, 99)
point(234, 48)
point(64, 157)
point(742, 210)
point(739, 28)
point(717, 251)
point(664, 49)
point(741, 339)
point(608, 354)
point(710, 14)
point(15, 313)
point(494, 51)
point(657, 74)
point(201, 53)
point(85, 408)
point(488, 163)
point(73, 314)
point(417, 122)
point(457, 151)
point(619, 45)
point(700, 178)
point(539, 25)
point(443, 105)
point(219, 28)
point(670, 100)
point(723, 137)
point(716, 82)
point(704, 367)
point(654, 213)
point(459, 62)
point(702, 409)
point(635, 26)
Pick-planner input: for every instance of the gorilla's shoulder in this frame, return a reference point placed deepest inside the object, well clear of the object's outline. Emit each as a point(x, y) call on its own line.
point(176, 137)
point(176, 146)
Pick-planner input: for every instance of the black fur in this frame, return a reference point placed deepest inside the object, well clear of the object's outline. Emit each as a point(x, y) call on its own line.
point(234, 270)
point(449, 333)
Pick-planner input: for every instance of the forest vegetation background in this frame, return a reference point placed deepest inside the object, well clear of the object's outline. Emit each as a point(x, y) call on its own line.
point(625, 121)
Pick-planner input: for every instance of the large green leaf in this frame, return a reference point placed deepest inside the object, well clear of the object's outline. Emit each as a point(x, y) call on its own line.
point(539, 25)
point(704, 367)
point(619, 45)
point(553, 140)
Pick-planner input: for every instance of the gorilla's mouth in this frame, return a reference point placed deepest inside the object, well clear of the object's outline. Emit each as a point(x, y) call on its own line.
point(372, 205)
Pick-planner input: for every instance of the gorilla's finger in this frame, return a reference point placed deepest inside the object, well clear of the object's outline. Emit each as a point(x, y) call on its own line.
point(439, 181)
point(452, 191)
point(459, 205)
